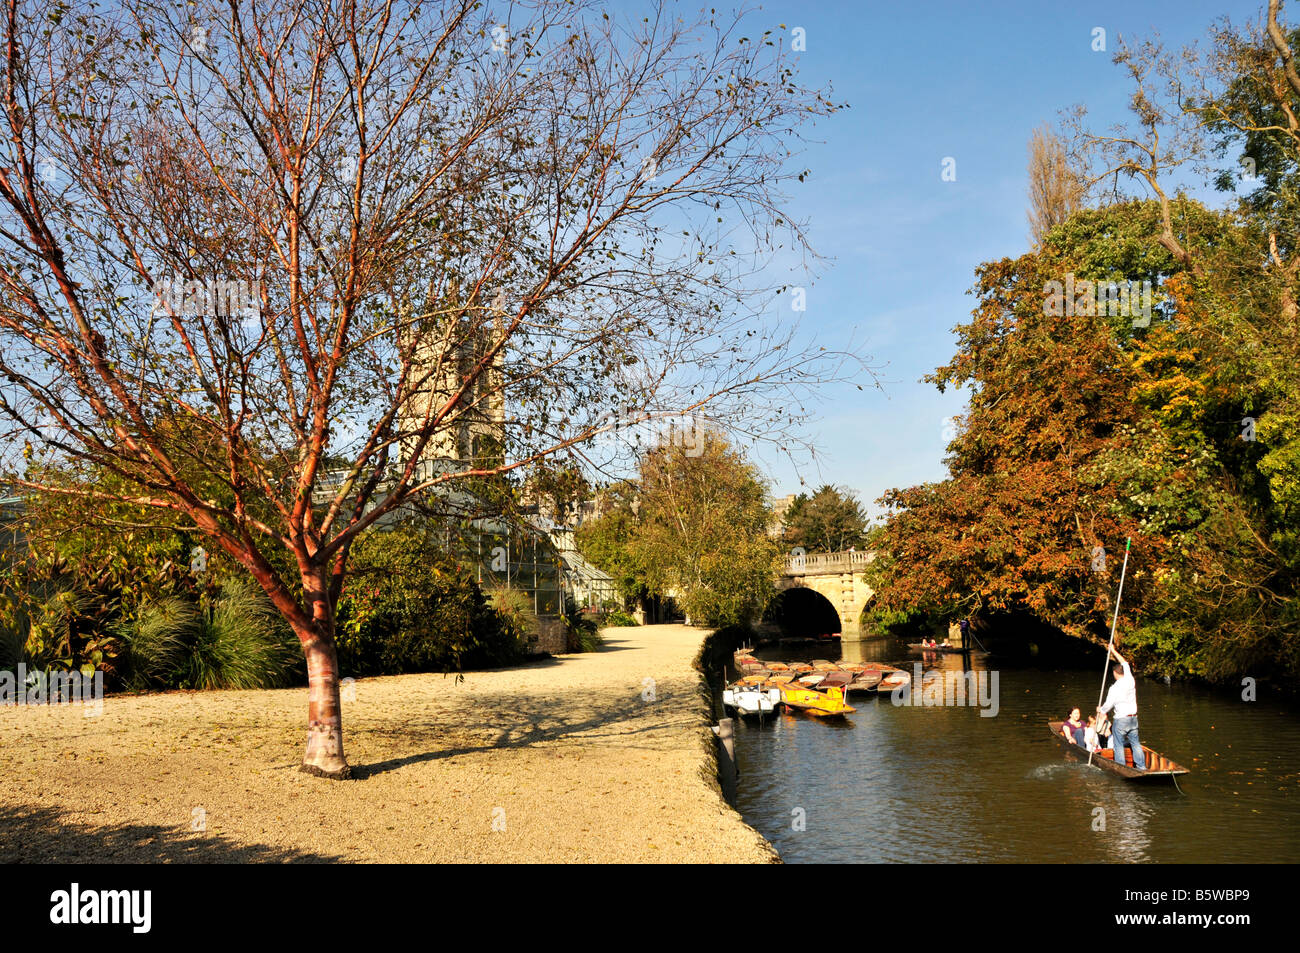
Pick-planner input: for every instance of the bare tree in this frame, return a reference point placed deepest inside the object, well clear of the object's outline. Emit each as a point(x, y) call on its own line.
point(430, 214)
point(1162, 142)
point(1247, 81)
point(1246, 90)
point(1055, 189)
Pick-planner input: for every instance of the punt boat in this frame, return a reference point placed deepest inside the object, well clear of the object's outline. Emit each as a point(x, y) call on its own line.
point(827, 704)
point(865, 681)
point(751, 699)
point(1158, 766)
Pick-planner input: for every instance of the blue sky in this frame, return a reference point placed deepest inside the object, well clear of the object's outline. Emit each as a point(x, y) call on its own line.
point(925, 81)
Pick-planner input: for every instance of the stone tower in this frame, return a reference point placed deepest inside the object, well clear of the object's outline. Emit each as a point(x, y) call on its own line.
point(473, 433)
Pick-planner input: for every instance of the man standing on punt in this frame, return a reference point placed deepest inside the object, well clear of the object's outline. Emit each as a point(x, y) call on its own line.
point(1123, 698)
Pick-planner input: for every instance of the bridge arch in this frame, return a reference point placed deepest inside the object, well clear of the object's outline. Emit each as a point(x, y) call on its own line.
point(803, 612)
point(838, 577)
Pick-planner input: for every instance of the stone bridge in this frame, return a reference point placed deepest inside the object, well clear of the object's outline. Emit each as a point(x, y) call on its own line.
point(836, 576)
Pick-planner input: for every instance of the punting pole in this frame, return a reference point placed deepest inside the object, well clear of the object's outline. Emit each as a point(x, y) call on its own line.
point(1113, 622)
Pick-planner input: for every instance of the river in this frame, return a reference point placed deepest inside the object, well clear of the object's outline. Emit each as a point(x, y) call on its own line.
point(912, 783)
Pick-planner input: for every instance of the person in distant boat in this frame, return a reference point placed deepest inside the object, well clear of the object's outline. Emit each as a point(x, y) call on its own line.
point(1073, 728)
point(1122, 697)
point(964, 625)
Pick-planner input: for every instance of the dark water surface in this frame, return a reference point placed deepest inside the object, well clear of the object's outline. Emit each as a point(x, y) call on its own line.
point(943, 784)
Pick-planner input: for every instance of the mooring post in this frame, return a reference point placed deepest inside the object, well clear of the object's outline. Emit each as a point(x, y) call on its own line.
point(724, 732)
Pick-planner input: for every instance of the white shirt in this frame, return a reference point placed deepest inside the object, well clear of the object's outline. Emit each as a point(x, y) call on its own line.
point(1123, 695)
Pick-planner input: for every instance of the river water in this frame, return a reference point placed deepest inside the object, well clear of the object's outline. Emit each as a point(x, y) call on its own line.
point(945, 784)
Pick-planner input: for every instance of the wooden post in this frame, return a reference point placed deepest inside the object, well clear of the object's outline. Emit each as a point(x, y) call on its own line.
point(725, 733)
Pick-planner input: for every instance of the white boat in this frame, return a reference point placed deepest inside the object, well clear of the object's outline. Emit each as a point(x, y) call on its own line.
point(751, 699)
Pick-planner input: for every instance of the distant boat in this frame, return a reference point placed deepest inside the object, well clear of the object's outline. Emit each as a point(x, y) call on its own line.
point(1158, 766)
point(827, 704)
point(937, 647)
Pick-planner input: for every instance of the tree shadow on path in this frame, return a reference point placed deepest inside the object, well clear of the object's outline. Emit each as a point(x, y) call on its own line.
point(44, 835)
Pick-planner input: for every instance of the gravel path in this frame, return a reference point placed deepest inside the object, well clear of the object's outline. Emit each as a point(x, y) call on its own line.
point(588, 758)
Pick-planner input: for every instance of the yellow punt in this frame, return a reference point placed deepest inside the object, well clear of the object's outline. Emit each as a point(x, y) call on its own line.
point(827, 703)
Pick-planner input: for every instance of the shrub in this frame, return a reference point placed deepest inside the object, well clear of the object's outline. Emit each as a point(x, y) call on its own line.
point(408, 607)
point(620, 619)
point(56, 614)
point(234, 639)
point(581, 634)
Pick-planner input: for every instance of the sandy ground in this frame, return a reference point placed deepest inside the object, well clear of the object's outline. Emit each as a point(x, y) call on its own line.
point(589, 758)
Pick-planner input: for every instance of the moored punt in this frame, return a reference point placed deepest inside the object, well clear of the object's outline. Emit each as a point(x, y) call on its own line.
point(1158, 766)
point(824, 665)
point(812, 679)
point(827, 704)
point(836, 679)
point(879, 667)
point(800, 667)
point(865, 681)
point(891, 680)
point(751, 699)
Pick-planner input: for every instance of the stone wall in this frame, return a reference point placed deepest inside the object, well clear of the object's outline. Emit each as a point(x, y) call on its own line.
point(552, 636)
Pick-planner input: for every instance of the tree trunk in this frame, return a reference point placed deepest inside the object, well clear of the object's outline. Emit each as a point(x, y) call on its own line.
point(324, 756)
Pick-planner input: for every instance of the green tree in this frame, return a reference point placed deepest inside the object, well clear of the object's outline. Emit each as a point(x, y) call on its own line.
point(606, 542)
point(831, 520)
point(701, 532)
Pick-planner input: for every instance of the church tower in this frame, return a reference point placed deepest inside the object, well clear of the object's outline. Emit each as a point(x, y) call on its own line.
point(448, 351)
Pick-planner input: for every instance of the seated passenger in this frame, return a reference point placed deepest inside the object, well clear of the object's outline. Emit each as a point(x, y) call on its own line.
point(1091, 740)
point(1073, 729)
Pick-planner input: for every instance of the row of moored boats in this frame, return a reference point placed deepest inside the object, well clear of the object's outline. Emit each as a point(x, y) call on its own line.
point(819, 687)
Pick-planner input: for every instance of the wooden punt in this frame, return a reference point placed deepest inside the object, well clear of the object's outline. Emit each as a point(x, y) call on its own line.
point(827, 704)
point(836, 679)
point(1158, 766)
point(880, 667)
point(865, 681)
point(941, 647)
